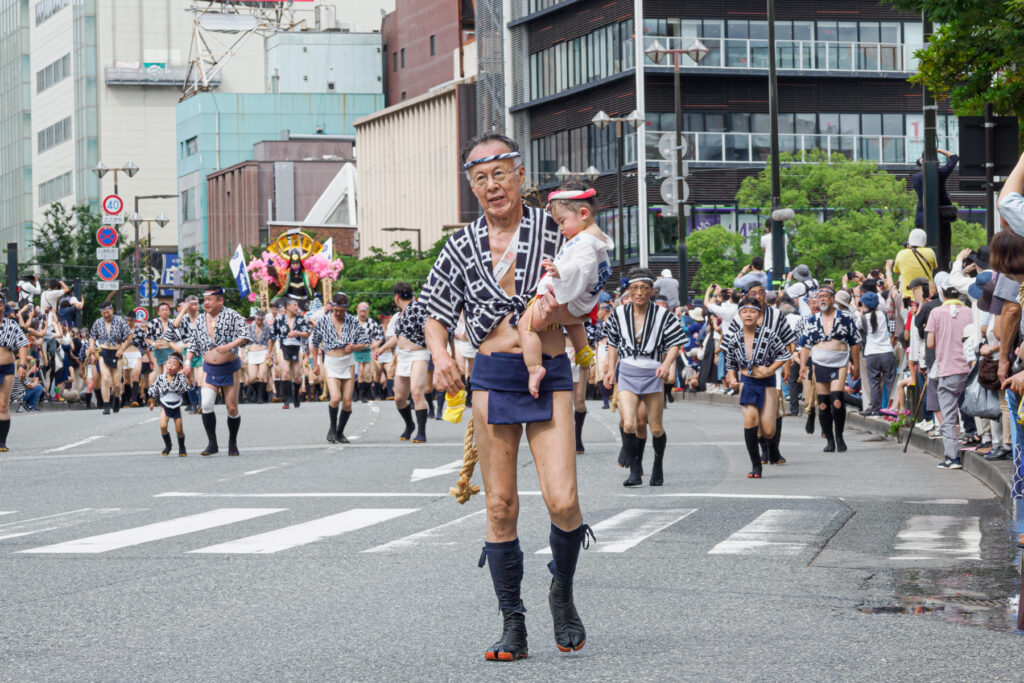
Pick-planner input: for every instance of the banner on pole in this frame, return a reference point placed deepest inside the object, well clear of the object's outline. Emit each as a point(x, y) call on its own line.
point(240, 273)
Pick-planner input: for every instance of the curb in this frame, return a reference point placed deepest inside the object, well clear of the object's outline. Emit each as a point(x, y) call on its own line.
point(996, 475)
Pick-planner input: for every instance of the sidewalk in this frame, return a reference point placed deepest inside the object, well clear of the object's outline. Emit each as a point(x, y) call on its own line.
point(997, 475)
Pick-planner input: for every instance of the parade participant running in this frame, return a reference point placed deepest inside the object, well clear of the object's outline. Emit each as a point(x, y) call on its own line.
point(178, 335)
point(215, 337)
point(340, 337)
point(413, 359)
point(257, 358)
point(169, 389)
point(366, 389)
point(137, 350)
point(156, 335)
point(830, 341)
point(488, 269)
point(111, 336)
point(575, 277)
point(12, 341)
point(290, 331)
point(755, 354)
point(639, 336)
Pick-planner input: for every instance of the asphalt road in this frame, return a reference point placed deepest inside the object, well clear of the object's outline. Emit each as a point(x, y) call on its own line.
point(305, 561)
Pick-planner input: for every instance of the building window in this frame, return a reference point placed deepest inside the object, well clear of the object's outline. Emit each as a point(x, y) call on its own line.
point(51, 136)
point(433, 46)
point(55, 189)
point(394, 61)
point(598, 54)
point(188, 210)
point(191, 146)
point(47, 8)
point(53, 73)
point(403, 95)
point(403, 57)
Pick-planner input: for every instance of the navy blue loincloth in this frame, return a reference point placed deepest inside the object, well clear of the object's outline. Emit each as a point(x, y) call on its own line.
point(505, 377)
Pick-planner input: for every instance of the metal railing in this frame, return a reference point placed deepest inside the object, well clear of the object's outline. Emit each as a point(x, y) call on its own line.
point(747, 148)
point(801, 55)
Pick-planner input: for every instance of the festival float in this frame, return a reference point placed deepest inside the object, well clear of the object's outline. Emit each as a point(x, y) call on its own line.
point(295, 265)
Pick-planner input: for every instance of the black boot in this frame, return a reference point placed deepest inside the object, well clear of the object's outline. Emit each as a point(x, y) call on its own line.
point(469, 393)
point(406, 414)
point(565, 551)
point(762, 444)
point(117, 404)
point(106, 405)
point(181, 446)
point(623, 454)
point(657, 476)
point(774, 455)
point(5, 429)
point(342, 421)
point(750, 438)
point(135, 395)
point(825, 419)
point(633, 457)
point(366, 390)
point(810, 421)
point(505, 560)
point(88, 400)
point(669, 398)
point(167, 443)
point(210, 425)
point(641, 445)
point(332, 434)
point(421, 426)
point(296, 386)
point(838, 419)
point(579, 418)
point(429, 396)
point(440, 405)
point(261, 392)
point(233, 424)
point(512, 644)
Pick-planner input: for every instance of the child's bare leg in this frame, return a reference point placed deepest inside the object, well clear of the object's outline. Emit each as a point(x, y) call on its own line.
point(578, 336)
point(532, 350)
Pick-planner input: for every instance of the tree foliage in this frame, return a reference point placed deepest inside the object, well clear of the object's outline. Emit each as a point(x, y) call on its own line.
point(973, 56)
point(720, 253)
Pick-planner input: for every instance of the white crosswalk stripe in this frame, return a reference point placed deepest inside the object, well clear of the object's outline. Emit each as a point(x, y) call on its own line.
point(777, 532)
point(628, 528)
point(8, 512)
point(60, 520)
point(156, 532)
point(307, 532)
point(930, 537)
point(434, 536)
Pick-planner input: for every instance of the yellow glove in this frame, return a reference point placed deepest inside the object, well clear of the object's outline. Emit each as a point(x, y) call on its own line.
point(585, 357)
point(454, 405)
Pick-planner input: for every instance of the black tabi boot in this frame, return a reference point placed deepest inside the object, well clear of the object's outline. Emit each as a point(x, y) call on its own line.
point(364, 397)
point(774, 455)
point(657, 476)
point(167, 443)
point(810, 421)
point(264, 397)
point(669, 398)
point(210, 425)
point(505, 560)
point(135, 395)
point(565, 551)
point(342, 421)
point(117, 404)
point(5, 429)
point(440, 405)
point(284, 393)
point(624, 455)
point(88, 400)
point(641, 445)
point(390, 390)
point(278, 390)
point(605, 395)
point(332, 434)
point(406, 414)
point(105, 404)
point(839, 419)
point(632, 447)
point(181, 446)
point(429, 397)
point(762, 444)
point(296, 386)
point(469, 393)
point(421, 426)
point(825, 419)
point(579, 418)
point(750, 438)
point(233, 424)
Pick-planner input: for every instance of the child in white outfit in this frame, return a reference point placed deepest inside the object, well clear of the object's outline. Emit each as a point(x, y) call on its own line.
point(575, 278)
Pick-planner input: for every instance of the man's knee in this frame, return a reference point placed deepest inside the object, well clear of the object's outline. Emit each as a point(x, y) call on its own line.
point(629, 426)
point(346, 404)
point(563, 506)
point(502, 508)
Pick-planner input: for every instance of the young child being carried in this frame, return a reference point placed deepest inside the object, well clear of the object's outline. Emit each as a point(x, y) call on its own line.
point(169, 389)
point(575, 278)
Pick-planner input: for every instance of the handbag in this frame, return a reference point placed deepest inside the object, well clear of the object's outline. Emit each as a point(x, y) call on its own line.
point(979, 401)
point(988, 374)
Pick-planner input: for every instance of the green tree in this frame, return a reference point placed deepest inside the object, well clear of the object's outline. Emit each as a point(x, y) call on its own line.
point(974, 54)
point(719, 251)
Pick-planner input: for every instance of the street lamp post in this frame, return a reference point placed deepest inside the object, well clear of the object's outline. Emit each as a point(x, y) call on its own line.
point(602, 121)
point(592, 174)
point(697, 51)
point(419, 238)
point(129, 169)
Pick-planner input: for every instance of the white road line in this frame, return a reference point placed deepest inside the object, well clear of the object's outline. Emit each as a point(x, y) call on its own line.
point(192, 494)
point(930, 537)
point(429, 537)
point(307, 532)
point(260, 471)
point(418, 474)
point(73, 445)
point(940, 501)
point(60, 520)
point(623, 531)
point(777, 532)
point(157, 531)
point(152, 419)
point(7, 512)
point(751, 496)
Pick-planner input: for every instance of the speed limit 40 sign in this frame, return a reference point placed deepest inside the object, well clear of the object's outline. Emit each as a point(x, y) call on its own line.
point(113, 205)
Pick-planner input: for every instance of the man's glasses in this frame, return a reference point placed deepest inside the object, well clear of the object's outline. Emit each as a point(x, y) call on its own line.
point(500, 176)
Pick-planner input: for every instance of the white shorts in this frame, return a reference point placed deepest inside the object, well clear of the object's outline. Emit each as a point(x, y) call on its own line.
point(132, 358)
point(256, 357)
point(339, 367)
point(406, 357)
point(385, 358)
point(466, 349)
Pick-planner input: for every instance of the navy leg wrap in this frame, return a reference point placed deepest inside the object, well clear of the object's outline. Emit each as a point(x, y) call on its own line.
point(506, 564)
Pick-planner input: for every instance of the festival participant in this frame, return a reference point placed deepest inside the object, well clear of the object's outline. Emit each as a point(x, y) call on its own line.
point(488, 270)
point(755, 355)
point(413, 359)
point(581, 381)
point(830, 342)
point(340, 337)
point(179, 336)
point(465, 354)
point(215, 337)
point(258, 358)
point(644, 342)
point(12, 342)
point(575, 277)
point(136, 358)
point(169, 389)
point(367, 386)
point(110, 336)
point(156, 338)
point(291, 330)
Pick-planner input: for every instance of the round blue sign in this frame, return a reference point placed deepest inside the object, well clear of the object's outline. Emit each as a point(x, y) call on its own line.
point(107, 271)
point(106, 236)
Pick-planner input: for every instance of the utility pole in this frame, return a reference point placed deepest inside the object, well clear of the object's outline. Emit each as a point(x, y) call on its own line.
point(990, 167)
point(777, 226)
point(930, 168)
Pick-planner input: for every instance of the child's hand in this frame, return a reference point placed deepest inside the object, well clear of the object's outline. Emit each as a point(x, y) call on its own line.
point(550, 267)
point(150, 405)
